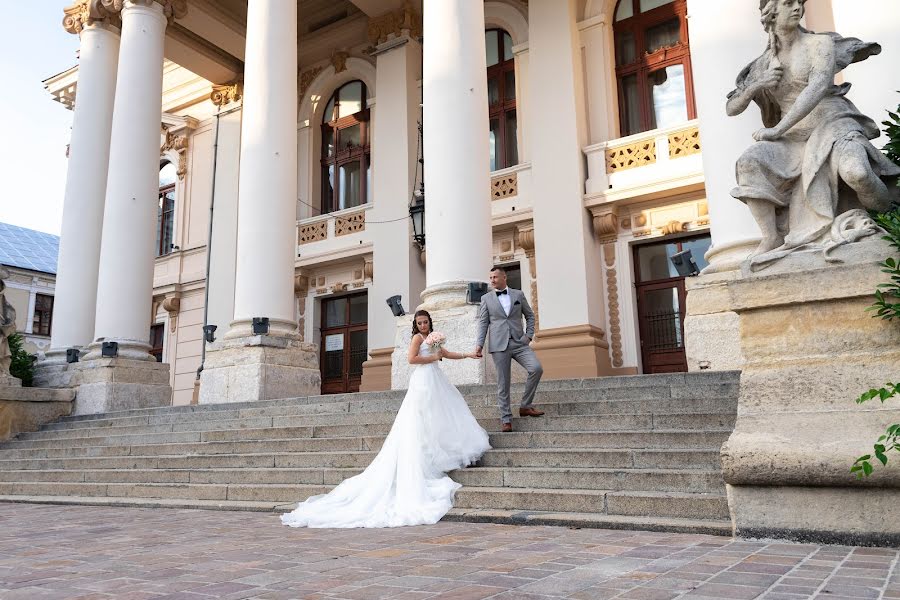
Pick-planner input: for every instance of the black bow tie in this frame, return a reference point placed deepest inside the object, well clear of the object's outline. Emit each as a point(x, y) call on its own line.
point(501, 292)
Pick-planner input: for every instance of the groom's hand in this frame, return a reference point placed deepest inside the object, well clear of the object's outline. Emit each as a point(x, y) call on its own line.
point(478, 351)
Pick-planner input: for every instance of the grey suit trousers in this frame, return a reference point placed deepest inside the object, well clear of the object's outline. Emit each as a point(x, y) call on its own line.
point(525, 356)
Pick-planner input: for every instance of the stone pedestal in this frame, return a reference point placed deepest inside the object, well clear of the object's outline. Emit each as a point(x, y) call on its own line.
point(261, 367)
point(27, 409)
point(111, 384)
point(809, 348)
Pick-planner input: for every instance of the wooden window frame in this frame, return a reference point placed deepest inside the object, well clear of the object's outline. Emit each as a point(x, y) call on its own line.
point(165, 217)
point(644, 64)
point(343, 156)
point(39, 315)
point(157, 351)
point(502, 107)
point(347, 329)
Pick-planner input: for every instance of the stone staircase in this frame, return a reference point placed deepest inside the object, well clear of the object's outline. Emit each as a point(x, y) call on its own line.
point(618, 452)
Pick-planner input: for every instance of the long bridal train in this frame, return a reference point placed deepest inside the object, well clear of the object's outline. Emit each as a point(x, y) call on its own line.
point(406, 484)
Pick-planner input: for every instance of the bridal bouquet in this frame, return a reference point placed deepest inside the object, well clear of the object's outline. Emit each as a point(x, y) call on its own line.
point(435, 340)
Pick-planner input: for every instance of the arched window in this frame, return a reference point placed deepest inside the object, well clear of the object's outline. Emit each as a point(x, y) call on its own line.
point(501, 79)
point(653, 64)
point(346, 162)
point(165, 219)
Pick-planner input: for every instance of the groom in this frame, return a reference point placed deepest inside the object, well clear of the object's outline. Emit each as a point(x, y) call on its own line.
point(501, 312)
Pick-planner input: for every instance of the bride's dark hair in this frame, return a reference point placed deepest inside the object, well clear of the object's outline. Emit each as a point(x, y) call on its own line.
point(422, 313)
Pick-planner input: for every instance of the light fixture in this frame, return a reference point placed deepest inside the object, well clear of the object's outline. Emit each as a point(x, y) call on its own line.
point(72, 355)
point(684, 264)
point(260, 325)
point(209, 333)
point(475, 291)
point(417, 208)
point(396, 307)
point(109, 349)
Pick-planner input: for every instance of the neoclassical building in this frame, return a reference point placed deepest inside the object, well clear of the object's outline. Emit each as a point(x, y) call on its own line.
point(252, 167)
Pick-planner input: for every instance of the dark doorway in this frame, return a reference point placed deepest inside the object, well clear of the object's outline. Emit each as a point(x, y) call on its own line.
point(344, 343)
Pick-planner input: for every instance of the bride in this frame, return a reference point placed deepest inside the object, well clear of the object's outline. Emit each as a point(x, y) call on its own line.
point(434, 432)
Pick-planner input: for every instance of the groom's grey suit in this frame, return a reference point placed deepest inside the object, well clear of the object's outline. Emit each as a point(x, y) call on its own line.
point(507, 342)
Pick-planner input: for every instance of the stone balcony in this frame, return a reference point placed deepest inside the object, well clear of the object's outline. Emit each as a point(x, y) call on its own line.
point(645, 166)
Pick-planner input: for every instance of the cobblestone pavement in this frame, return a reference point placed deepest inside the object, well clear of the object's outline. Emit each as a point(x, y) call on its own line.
point(125, 553)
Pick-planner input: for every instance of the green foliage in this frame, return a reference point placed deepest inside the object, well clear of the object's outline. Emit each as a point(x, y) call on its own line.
point(892, 131)
point(887, 307)
point(22, 365)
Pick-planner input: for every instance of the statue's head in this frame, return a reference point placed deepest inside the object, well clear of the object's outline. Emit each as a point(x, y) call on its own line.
point(781, 14)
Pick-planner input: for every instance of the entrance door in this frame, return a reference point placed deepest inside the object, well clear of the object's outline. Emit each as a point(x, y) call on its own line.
point(661, 302)
point(344, 343)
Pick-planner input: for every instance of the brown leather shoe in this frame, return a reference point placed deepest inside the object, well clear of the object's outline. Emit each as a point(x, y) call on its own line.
point(506, 427)
point(530, 412)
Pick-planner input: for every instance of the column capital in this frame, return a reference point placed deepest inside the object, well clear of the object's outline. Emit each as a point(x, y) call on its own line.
point(85, 13)
point(227, 93)
point(172, 9)
point(395, 23)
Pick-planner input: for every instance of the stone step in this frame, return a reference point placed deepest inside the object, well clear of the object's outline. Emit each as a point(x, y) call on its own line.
point(513, 477)
point(379, 423)
point(507, 517)
point(626, 503)
point(669, 439)
point(152, 434)
point(602, 458)
point(675, 385)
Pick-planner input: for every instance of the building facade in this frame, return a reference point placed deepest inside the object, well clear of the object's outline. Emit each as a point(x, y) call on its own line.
point(237, 160)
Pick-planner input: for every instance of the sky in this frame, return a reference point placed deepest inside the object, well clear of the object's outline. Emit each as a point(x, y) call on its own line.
point(35, 127)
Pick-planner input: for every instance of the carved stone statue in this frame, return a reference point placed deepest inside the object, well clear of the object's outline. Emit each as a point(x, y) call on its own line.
point(812, 172)
point(7, 326)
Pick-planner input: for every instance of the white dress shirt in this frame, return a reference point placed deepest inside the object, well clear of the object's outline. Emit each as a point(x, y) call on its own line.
point(504, 301)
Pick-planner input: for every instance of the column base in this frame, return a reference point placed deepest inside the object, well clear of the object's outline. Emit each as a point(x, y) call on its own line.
point(573, 352)
point(52, 370)
point(454, 318)
point(376, 375)
point(112, 384)
point(261, 367)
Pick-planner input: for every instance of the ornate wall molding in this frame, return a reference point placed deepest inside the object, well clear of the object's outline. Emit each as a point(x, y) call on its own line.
point(339, 61)
point(172, 305)
point(504, 186)
point(684, 143)
point(223, 95)
point(525, 235)
point(369, 270)
point(179, 145)
point(395, 23)
point(85, 13)
point(612, 301)
point(314, 232)
point(172, 9)
point(606, 226)
point(307, 77)
point(631, 156)
point(350, 224)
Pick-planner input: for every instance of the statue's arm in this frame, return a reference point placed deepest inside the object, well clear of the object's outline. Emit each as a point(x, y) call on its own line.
point(821, 78)
point(748, 86)
point(739, 99)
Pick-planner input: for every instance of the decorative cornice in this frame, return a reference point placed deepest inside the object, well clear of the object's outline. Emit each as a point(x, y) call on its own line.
point(85, 13)
point(307, 77)
point(606, 226)
point(339, 61)
point(395, 23)
point(226, 94)
point(172, 304)
point(172, 9)
point(179, 145)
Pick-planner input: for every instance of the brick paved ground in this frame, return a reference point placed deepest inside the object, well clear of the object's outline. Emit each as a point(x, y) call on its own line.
point(93, 553)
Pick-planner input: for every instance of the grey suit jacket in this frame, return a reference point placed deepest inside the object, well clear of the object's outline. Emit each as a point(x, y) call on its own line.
point(492, 317)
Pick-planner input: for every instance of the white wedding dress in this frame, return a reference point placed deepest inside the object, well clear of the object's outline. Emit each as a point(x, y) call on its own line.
point(406, 484)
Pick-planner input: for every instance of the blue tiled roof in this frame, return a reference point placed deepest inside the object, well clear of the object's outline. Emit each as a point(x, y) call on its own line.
point(28, 249)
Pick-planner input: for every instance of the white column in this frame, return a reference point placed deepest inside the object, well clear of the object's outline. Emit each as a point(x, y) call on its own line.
point(397, 268)
point(725, 37)
point(457, 162)
point(79, 244)
point(267, 196)
point(125, 284)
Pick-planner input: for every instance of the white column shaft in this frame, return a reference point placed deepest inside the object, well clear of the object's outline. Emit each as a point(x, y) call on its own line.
point(266, 238)
point(125, 285)
point(79, 244)
point(725, 37)
point(457, 162)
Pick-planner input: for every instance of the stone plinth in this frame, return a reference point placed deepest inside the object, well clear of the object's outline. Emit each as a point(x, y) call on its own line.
point(111, 384)
point(27, 409)
point(809, 348)
point(261, 367)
